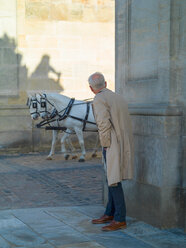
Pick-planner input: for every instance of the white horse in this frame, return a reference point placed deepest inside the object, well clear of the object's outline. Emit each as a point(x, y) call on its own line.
point(33, 103)
point(77, 116)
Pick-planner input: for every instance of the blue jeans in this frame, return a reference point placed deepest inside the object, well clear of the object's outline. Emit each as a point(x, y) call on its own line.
point(116, 202)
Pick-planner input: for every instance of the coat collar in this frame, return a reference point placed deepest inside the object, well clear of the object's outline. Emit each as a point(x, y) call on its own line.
point(103, 90)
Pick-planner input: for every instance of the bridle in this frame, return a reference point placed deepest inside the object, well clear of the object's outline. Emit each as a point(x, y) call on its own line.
point(34, 103)
point(43, 104)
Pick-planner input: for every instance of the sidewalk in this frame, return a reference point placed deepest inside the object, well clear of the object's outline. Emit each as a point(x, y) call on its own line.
point(71, 227)
point(50, 204)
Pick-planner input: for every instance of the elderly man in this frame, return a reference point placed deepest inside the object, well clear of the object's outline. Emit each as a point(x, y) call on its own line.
point(115, 132)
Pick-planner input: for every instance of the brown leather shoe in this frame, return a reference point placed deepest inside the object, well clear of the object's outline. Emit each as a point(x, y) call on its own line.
point(103, 219)
point(114, 225)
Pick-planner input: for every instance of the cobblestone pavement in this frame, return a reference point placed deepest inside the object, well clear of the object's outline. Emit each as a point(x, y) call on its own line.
point(32, 181)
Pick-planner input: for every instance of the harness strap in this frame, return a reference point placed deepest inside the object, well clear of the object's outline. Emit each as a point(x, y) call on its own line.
point(45, 122)
point(66, 114)
point(80, 119)
point(86, 116)
point(67, 110)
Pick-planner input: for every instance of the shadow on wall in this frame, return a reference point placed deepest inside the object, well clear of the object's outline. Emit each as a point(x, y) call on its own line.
point(40, 79)
point(14, 75)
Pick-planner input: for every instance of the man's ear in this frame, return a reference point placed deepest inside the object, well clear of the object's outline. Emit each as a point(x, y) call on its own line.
point(91, 88)
point(105, 84)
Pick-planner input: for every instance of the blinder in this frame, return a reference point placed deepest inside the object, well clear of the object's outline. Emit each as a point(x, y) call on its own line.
point(34, 105)
point(43, 104)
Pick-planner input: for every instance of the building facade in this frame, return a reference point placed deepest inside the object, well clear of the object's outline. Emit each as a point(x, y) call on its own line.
point(49, 46)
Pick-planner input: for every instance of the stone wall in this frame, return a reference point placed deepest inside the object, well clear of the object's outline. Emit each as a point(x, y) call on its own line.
point(150, 73)
point(49, 46)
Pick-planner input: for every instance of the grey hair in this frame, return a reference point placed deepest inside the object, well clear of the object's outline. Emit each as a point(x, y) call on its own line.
point(96, 80)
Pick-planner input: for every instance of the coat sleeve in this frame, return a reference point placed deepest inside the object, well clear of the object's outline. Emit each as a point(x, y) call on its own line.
point(102, 117)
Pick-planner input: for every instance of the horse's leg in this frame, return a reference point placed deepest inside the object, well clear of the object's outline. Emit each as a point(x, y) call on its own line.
point(52, 150)
point(69, 142)
point(79, 134)
point(94, 154)
point(63, 148)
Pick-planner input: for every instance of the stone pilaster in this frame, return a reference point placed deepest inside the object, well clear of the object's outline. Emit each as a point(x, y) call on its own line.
point(150, 73)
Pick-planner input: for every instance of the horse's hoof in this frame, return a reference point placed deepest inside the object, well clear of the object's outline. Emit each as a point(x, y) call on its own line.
point(94, 155)
point(67, 157)
point(81, 160)
point(74, 157)
point(49, 158)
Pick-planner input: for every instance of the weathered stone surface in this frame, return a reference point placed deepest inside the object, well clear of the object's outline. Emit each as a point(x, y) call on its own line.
point(139, 201)
point(4, 243)
point(9, 56)
point(146, 75)
point(22, 237)
point(38, 9)
point(8, 80)
point(149, 66)
point(8, 18)
point(165, 240)
point(89, 11)
point(143, 37)
point(77, 37)
point(119, 239)
point(84, 244)
point(17, 233)
point(156, 125)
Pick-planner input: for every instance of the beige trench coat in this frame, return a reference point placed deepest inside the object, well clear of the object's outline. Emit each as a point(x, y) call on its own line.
point(115, 132)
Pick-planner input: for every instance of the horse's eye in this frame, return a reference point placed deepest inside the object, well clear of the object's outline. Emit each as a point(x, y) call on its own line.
point(34, 105)
point(43, 104)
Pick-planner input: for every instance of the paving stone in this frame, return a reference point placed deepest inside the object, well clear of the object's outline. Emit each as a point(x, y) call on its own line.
point(77, 220)
point(40, 246)
point(120, 240)
point(62, 236)
point(68, 215)
point(177, 231)
point(4, 243)
point(22, 237)
point(93, 211)
point(10, 223)
point(140, 228)
point(36, 217)
point(165, 240)
point(83, 245)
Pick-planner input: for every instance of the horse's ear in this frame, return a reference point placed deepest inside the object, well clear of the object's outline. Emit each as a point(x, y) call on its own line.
point(41, 94)
point(38, 96)
point(28, 101)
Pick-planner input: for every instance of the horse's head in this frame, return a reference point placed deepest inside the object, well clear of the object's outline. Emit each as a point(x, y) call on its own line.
point(47, 108)
point(33, 105)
